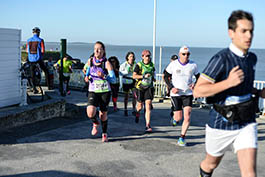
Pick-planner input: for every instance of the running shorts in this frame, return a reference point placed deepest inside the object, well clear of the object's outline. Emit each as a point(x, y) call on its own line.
point(100, 100)
point(145, 94)
point(179, 102)
point(218, 141)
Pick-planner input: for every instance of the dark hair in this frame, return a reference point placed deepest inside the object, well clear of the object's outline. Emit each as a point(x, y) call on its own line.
point(92, 55)
point(103, 46)
point(174, 57)
point(238, 15)
point(129, 53)
point(68, 57)
point(114, 62)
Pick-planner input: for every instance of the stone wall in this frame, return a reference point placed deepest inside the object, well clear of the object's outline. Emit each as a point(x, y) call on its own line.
point(32, 113)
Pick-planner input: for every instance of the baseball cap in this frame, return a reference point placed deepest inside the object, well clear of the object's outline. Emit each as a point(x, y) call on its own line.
point(146, 52)
point(36, 30)
point(174, 57)
point(184, 49)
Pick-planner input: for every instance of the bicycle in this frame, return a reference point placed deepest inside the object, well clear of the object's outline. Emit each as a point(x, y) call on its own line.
point(33, 95)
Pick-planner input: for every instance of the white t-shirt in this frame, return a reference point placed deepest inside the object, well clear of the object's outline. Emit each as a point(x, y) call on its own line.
point(182, 76)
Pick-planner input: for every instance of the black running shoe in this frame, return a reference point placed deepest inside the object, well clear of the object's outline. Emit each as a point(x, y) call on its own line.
point(137, 116)
point(125, 112)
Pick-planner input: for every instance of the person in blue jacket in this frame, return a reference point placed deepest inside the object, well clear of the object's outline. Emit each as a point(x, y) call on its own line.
point(35, 48)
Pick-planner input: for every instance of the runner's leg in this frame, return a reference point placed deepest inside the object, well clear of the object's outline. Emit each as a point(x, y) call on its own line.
point(247, 162)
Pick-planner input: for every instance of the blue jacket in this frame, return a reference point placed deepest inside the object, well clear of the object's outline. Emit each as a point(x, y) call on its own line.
point(35, 48)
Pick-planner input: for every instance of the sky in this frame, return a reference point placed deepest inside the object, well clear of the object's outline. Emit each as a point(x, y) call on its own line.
point(196, 23)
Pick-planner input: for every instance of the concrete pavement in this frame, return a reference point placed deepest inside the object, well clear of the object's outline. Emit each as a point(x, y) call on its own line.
point(64, 147)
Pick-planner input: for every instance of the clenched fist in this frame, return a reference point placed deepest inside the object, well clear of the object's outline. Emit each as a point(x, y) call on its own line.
point(236, 76)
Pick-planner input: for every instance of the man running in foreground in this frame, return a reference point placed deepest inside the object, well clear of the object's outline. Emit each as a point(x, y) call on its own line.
point(228, 79)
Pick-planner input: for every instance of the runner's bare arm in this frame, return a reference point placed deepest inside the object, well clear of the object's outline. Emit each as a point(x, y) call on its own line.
point(205, 88)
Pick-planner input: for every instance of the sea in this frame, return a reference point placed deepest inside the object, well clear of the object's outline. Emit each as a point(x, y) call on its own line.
point(200, 55)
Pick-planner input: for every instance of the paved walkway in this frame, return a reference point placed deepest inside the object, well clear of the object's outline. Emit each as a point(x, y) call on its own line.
point(64, 147)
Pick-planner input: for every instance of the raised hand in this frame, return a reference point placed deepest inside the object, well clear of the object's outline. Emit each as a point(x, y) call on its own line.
point(147, 75)
point(100, 74)
point(236, 76)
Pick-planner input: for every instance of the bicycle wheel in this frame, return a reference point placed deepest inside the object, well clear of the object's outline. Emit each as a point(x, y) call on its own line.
point(34, 91)
point(35, 96)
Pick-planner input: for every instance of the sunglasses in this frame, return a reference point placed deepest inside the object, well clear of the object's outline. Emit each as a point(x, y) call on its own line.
point(149, 56)
point(184, 54)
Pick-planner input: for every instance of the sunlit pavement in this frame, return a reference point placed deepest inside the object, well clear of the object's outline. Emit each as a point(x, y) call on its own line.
point(65, 147)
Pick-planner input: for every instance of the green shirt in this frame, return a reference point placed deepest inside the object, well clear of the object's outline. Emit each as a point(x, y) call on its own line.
point(66, 65)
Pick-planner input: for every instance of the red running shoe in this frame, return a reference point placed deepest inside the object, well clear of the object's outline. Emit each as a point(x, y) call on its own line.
point(94, 129)
point(104, 137)
point(148, 129)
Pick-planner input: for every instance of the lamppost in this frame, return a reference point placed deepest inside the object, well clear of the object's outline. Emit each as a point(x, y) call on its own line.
point(154, 33)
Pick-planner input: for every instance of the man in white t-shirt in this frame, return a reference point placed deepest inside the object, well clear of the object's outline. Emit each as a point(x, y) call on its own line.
point(182, 71)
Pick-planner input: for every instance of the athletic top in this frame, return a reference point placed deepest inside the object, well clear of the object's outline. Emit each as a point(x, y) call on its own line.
point(96, 83)
point(218, 69)
point(126, 71)
point(143, 69)
point(66, 66)
point(35, 48)
point(182, 76)
point(117, 80)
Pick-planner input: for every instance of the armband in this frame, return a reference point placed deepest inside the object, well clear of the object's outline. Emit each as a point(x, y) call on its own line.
point(88, 71)
point(111, 77)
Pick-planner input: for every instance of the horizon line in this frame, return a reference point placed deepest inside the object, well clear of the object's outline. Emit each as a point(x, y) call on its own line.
point(144, 45)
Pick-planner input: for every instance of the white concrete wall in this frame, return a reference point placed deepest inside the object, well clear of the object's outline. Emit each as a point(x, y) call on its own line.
point(10, 59)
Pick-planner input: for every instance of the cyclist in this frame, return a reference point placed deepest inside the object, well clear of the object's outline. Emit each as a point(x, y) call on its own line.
point(101, 75)
point(35, 48)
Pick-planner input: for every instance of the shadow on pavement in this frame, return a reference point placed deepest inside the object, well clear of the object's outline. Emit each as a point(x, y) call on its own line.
point(120, 128)
point(48, 173)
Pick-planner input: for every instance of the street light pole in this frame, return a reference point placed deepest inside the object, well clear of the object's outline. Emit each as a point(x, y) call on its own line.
point(154, 33)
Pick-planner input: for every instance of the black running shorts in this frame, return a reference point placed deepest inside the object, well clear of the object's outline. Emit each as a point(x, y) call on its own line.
point(127, 87)
point(179, 102)
point(145, 94)
point(100, 100)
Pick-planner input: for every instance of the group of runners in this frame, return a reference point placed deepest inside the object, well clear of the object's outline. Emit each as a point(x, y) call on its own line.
point(227, 82)
point(102, 76)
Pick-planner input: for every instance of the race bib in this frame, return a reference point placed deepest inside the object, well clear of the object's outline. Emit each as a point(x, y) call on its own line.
point(127, 81)
point(147, 81)
point(101, 86)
